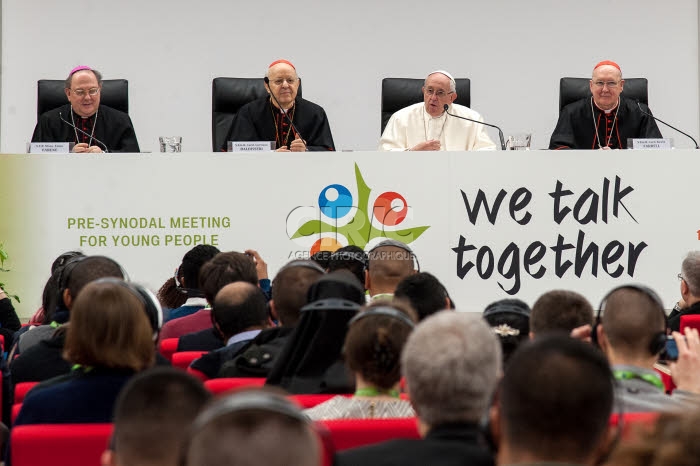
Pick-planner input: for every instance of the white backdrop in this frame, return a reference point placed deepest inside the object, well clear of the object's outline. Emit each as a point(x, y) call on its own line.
point(514, 51)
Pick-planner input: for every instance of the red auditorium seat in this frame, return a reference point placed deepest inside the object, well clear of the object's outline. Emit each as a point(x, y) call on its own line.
point(183, 359)
point(350, 433)
point(310, 400)
point(21, 390)
point(690, 320)
point(634, 422)
point(219, 386)
point(59, 444)
point(168, 347)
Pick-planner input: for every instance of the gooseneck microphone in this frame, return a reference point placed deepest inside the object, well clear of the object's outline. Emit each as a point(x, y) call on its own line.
point(296, 131)
point(500, 133)
point(82, 132)
point(639, 106)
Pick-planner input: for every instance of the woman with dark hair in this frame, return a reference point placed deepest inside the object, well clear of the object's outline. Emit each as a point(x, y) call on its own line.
point(510, 321)
point(372, 351)
point(109, 339)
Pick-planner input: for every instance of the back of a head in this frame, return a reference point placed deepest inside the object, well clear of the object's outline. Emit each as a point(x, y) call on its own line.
point(153, 415)
point(555, 400)
point(388, 265)
point(322, 258)
point(560, 311)
point(290, 287)
point(109, 328)
point(238, 307)
point(424, 292)
point(192, 261)
point(252, 428)
point(375, 340)
point(225, 268)
point(81, 270)
point(351, 258)
point(631, 319)
point(690, 271)
point(341, 284)
point(510, 321)
point(451, 361)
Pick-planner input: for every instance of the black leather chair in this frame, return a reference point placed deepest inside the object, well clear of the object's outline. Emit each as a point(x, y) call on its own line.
point(398, 93)
point(573, 89)
point(51, 94)
point(228, 95)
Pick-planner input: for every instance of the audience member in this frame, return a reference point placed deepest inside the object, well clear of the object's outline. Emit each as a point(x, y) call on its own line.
point(690, 290)
point(554, 404)
point(289, 294)
point(424, 292)
point(351, 258)
point(103, 129)
point(426, 125)
point(560, 311)
point(252, 428)
point(239, 315)
point(451, 362)
point(631, 331)
point(187, 279)
point(152, 418)
point(510, 321)
point(108, 340)
point(372, 351)
point(390, 261)
point(311, 361)
point(196, 331)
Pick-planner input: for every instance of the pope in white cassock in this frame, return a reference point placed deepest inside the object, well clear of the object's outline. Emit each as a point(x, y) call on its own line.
point(426, 125)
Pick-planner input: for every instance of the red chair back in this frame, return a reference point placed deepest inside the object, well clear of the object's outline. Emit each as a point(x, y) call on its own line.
point(310, 400)
point(59, 444)
point(219, 386)
point(168, 347)
point(350, 433)
point(21, 390)
point(633, 423)
point(690, 320)
point(183, 359)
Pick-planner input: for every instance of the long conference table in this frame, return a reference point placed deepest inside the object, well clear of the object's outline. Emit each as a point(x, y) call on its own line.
point(489, 225)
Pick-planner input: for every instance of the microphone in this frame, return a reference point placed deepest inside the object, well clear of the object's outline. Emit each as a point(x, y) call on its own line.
point(639, 106)
point(81, 131)
point(500, 133)
point(296, 131)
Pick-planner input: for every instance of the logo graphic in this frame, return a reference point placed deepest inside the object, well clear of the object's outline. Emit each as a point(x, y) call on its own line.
point(342, 221)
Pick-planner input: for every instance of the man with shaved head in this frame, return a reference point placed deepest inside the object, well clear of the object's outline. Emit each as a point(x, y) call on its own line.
point(604, 120)
point(264, 119)
point(389, 262)
point(426, 125)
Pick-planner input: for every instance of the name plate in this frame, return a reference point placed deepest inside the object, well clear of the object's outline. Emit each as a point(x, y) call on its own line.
point(49, 148)
point(650, 144)
point(251, 146)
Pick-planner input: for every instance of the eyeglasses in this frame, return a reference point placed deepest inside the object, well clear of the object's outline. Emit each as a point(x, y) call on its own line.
point(81, 92)
point(439, 93)
point(609, 84)
point(290, 81)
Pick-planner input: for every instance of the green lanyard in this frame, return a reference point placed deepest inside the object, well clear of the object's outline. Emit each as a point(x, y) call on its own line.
point(653, 379)
point(370, 391)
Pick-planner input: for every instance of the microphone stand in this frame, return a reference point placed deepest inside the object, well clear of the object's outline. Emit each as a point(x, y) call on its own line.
point(672, 127)
point(81, 131)
point(500, 133)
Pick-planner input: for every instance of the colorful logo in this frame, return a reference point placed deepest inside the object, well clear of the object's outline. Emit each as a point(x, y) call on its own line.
point(342, 221)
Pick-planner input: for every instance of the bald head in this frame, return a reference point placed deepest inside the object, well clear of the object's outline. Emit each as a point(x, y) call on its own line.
point(239, 307)
point(388, 265)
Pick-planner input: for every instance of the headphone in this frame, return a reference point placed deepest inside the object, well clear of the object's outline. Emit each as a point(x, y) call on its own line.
point(658, 341)
point(154, 312)
point(506, 308)
point(331, 304)
point(71, 264)
point(383, 311)
point(360, 257)
point(260, 400)
point(396, 244)
point(309, 264)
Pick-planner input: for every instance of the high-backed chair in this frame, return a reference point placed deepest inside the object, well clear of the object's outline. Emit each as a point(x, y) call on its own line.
point(690, 320)
point(398, 93)
point(168, 347)
point(183, 359)
point(228, 95)
point(223, 385)
point(573, 89)
point(51, 94)
point(351, 433)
